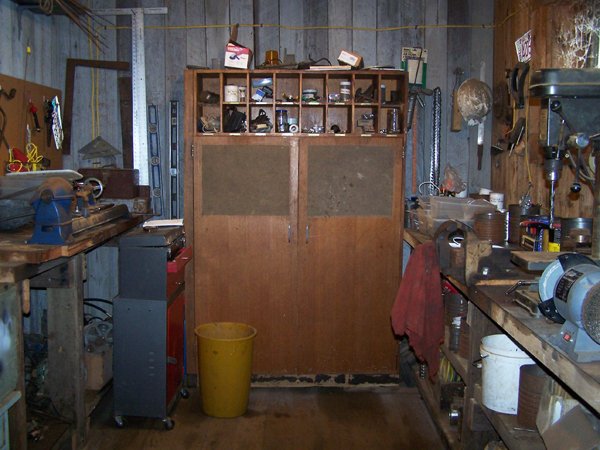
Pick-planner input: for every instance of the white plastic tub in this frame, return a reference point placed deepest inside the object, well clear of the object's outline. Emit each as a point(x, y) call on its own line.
point(501, 360)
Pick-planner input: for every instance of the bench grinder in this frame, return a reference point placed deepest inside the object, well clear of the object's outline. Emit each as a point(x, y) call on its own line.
point(570, 292)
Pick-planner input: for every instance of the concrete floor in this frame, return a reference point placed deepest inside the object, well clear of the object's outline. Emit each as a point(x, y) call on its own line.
point(304, 418)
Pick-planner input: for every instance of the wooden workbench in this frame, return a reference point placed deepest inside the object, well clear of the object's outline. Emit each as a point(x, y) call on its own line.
point(60, 269)
point(496, 312)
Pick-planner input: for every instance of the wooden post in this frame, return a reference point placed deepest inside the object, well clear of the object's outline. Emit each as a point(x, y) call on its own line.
point(66, 371)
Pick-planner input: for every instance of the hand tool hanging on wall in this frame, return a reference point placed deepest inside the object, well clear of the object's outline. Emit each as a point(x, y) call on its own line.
point(9, 96)
point(434, 168)
point(48, 120)
point(474, 99)
point(33, 110)
point(516, 85)
point(456, 123)
point(154, 144)
point(174, 163)
point(57, 130)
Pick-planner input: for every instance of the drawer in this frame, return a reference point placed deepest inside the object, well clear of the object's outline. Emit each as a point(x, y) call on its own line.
point(176, 270)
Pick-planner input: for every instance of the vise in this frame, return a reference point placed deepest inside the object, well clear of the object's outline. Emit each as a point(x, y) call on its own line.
point(52, 203)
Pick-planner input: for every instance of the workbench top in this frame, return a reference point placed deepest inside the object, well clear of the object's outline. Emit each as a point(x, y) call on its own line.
point(18, 259)
point(533, 334)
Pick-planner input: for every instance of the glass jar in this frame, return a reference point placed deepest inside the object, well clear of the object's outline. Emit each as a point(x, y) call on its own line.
point(345, 91)
point(242, 93)
point(393, 121)
point(281, 120)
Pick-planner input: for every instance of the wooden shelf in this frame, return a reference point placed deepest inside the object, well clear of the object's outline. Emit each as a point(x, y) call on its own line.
point(460, 364)
point(514, 436)
point(450, 434)
point(320, 112)
point(533, 334)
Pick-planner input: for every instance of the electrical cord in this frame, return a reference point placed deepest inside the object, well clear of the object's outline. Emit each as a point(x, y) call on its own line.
point(105, 312)
point(100, 300)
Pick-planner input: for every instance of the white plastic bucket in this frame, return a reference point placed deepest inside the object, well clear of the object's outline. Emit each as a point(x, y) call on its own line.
point(501, 360)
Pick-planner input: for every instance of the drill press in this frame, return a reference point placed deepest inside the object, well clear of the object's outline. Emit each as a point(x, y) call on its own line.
point(569, 118)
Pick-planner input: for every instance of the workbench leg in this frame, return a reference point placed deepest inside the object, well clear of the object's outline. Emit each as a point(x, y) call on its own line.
point(476, 429)
point(12, 372)
point(66, 364)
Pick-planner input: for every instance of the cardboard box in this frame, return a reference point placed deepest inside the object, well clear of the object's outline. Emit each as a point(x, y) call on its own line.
point(352, 59)
point(99, 369)
point(237, 56)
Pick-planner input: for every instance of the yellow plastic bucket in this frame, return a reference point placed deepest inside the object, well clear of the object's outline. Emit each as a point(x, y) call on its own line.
point(225, 367)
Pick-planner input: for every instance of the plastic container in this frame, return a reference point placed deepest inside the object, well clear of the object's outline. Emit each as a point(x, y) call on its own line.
point(225, 367)
point(502, 361)
point(458, 208)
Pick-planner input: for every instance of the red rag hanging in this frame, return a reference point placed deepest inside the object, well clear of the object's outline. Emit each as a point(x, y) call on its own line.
point(418, 310)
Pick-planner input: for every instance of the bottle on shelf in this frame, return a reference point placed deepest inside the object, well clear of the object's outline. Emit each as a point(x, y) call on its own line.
point(455, 334)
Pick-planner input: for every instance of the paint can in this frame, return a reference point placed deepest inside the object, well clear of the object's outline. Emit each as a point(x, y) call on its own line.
point(232, 93)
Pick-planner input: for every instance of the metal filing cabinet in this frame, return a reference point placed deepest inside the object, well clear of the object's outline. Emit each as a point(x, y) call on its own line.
point(148, 320)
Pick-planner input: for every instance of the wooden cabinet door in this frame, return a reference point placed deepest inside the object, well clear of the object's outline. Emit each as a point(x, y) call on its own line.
point(245, 212)
point(350, 224)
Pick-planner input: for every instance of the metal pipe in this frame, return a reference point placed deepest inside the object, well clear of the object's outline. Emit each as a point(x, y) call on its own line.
point(434, 168)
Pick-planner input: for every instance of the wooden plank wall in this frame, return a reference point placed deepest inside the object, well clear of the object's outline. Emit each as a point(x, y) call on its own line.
point(509, 172)
point(18, 117)
point(53, 39)
point(190, 35)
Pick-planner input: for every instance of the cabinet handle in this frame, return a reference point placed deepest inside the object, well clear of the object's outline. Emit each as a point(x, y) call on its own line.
point(307, 233)
point(289, 233)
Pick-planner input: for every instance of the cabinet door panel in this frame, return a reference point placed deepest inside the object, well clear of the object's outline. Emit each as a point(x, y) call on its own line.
point(350, 199)
point(247, 180)
point(245, 243)
point(350, 181)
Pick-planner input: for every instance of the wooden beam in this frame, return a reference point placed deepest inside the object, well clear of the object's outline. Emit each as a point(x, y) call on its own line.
point(66, 372)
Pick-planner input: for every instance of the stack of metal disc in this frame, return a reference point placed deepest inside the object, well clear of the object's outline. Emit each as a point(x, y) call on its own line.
point(516, 213)
point(532, 380)
point(491, 227)
point(455, 305)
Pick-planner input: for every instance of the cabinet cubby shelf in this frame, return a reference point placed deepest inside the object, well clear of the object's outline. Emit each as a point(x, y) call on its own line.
point(280, 85)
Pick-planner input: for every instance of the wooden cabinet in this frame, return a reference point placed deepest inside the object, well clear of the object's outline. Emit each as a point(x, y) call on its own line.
point(298, 234)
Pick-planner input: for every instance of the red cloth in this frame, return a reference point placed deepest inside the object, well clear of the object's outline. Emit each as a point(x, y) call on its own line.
point(418, 310)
